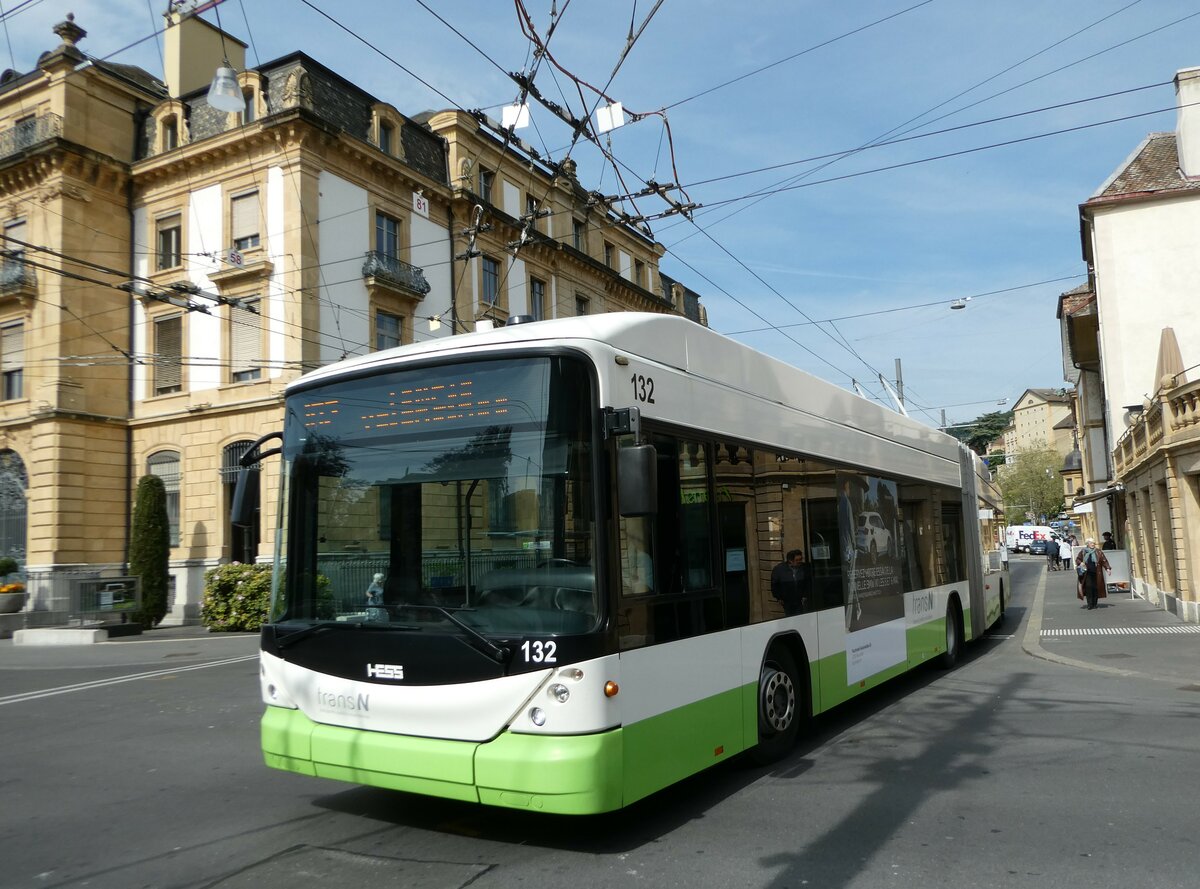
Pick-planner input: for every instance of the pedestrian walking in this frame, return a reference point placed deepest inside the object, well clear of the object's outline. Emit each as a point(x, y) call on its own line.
point(1051, 554)
point(1091, 565)
point(1064, 554)
point(1108, 543)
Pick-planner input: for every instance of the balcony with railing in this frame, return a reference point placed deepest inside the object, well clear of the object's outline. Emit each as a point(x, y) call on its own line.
point(17, 277)
point(25, 134)
point(396, 274)
point(1170, 422)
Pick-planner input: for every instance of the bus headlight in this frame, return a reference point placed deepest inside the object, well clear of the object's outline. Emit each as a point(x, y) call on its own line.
point(560, 692)
point(537, 716)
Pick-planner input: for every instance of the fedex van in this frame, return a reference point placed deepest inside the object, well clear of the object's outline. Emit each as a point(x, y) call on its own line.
point(1020, 537)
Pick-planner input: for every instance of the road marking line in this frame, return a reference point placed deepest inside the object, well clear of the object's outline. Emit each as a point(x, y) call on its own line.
point(116, 680)
point(1189, 629)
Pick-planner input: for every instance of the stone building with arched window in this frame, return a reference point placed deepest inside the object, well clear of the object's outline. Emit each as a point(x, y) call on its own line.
point(170, 267)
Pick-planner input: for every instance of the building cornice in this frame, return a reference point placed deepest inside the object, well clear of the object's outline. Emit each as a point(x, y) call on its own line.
point(294, 131)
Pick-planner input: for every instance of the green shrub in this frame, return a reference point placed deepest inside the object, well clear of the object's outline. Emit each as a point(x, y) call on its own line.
point(236, 597)
point(8, 565)
point(150, 549)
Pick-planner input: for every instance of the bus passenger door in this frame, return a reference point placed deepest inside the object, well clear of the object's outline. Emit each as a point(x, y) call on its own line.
point(731, 518)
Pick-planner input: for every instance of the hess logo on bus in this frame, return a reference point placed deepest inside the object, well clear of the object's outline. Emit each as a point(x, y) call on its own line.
point(385, 671)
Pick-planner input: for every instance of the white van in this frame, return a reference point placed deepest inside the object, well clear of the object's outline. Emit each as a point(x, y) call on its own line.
point(1019, 537)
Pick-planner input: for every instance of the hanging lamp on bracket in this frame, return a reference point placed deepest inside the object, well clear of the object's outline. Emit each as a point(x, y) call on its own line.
point(224, 93)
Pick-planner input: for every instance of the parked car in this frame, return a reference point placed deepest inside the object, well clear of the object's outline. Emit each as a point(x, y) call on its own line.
point(871, 535)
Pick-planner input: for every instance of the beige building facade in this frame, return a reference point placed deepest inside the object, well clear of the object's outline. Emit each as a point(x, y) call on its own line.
point(1158, 462)
point(1037, 416)
point(170, 268)
point(1131, 336)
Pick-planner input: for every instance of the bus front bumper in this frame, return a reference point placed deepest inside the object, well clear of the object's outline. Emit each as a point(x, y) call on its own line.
point(561, 774)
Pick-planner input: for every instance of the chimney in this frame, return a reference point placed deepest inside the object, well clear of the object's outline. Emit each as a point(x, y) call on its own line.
point(194, 50)
point(1187, 128)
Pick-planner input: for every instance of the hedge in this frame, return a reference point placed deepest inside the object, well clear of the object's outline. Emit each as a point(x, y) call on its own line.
point(237, 597)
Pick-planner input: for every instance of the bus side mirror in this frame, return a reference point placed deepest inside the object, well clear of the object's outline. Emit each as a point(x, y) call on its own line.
point(637, 480)
point(245, 496)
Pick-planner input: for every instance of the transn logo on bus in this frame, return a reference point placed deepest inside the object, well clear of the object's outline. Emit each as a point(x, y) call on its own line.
point(923, 603)
point(343, 701)
point(385, 671)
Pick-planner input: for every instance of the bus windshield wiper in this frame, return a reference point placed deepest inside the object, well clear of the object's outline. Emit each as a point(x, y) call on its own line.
point(313, 629)
point(478, 641)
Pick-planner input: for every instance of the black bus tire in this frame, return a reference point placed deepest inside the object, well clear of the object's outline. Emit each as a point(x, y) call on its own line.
point(954, 635)
point(780, 705)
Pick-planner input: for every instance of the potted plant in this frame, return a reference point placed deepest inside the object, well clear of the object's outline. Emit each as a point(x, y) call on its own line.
point(12, 595)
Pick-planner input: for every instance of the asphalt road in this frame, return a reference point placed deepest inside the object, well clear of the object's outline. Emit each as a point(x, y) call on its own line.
point(1037, 762)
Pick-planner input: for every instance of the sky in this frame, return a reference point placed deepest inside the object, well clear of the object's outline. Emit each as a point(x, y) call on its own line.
point(848, 255)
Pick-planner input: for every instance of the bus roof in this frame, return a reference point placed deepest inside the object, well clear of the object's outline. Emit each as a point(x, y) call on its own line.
point(676, 342)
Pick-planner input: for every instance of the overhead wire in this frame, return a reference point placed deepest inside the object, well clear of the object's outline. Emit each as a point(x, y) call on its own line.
point(769, 191)
point(945, 156)
point(402, 67)
point(796, 55)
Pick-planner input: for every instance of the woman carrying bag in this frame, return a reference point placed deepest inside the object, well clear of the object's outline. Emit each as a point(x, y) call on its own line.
point(1090, 565)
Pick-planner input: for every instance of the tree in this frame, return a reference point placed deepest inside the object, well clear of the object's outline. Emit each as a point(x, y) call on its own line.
point(150, 548)
point(1032, 486)
point(988, 427)
point(982, 431)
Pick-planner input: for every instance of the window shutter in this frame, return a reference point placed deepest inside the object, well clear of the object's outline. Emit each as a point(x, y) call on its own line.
point(244, 216)
point(168, 344)
point(15, 230)
point(245, 340)
point(12, 348)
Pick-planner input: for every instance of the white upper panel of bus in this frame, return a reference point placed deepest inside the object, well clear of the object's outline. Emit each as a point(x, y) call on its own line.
point(702, 355)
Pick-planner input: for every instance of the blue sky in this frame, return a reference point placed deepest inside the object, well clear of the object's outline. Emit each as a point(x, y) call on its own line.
point(866, 247)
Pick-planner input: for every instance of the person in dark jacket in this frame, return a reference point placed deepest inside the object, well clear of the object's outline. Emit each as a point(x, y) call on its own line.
point(790, 582)
point(1091, 564)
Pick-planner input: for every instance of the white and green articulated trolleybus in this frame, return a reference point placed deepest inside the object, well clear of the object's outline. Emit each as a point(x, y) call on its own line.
point(532, 567)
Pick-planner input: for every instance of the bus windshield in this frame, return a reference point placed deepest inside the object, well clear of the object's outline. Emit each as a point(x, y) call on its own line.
point(453, 498)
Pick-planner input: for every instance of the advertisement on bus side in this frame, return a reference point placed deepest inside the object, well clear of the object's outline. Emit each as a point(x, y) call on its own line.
point(868, 528)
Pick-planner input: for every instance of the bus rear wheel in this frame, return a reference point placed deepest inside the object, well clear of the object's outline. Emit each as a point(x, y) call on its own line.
point(779, 703)
point(954, 636)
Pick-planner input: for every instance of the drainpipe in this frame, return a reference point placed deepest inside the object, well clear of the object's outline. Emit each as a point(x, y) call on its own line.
point(450, 240)
point(453, 295)
point(138, 119)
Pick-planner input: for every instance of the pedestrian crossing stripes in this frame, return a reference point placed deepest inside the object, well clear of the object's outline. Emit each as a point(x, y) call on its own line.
point(1184, 630)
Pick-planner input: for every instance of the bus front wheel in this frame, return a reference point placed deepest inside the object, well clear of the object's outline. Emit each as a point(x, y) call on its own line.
point(779, 703)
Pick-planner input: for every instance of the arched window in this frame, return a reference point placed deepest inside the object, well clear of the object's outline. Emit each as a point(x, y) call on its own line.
point(14, 482)
point(243, 539)
point(165, 464)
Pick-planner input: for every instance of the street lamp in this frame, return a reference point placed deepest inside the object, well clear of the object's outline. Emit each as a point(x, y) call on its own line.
point(224, 94)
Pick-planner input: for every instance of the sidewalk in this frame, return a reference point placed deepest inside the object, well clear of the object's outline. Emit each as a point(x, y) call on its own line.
point(1124, 635)
point(171, 645)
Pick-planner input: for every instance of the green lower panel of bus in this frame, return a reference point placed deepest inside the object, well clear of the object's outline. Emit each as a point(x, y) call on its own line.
point(570, 775)
point(563, 774)
point(576, 774)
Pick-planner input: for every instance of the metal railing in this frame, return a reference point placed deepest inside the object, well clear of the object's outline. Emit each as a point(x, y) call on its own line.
point(15, 274)
point(395, 271)
point(28, 133)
